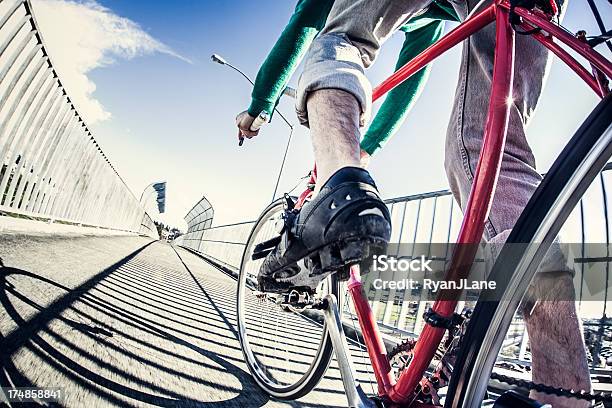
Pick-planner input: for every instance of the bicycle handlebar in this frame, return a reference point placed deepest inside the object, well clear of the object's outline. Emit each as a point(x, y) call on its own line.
point(259, 121)
point(290, 92)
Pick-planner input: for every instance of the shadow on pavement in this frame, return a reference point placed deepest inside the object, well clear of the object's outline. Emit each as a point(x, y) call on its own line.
point(133, 333)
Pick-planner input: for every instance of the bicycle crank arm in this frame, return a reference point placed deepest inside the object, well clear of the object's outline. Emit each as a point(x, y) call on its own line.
point(354, 393)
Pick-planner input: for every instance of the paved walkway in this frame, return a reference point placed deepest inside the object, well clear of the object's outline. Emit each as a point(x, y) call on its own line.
point(126, 321)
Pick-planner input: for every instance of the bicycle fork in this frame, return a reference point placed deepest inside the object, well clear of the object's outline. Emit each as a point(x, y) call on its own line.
point(354, 393)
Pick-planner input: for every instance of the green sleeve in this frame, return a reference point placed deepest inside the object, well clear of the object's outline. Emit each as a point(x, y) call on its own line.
point(400, 100)
point(307, 20)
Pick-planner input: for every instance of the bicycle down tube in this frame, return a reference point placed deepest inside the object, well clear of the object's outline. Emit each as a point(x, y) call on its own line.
point(483, 186)
point(403, 391)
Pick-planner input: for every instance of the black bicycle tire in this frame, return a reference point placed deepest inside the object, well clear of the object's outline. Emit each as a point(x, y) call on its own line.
point(316, 371)
point(575, 152)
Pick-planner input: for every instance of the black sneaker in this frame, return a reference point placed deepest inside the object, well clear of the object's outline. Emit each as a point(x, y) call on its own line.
point(344, 224)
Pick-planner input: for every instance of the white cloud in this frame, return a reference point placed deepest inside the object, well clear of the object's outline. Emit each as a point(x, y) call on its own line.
point(81, 36)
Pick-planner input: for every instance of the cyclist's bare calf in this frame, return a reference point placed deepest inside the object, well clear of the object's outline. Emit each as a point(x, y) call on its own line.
point(333, 117)
point(346, 220)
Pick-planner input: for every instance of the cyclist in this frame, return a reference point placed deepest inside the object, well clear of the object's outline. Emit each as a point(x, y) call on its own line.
point(334, 99)
point(307, 20)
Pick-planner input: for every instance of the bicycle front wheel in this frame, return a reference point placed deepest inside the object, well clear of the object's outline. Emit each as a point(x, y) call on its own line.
point(286, 352)
point(559, 192)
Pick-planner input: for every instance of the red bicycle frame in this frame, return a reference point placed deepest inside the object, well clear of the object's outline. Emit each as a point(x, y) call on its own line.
point(404, 390)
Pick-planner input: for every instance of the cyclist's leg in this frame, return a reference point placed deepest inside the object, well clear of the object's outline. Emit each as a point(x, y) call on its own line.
point(334, 74)
point(552, 325)
point(347, 219)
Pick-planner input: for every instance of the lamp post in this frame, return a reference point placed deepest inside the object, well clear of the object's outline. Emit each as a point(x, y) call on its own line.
point(288, 92)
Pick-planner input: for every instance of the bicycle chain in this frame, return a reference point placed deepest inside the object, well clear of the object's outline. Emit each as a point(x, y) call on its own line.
point(547, 389)
point(407, 346)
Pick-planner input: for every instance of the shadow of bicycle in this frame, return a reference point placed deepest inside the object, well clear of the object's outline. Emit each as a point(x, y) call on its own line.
point(136, 332)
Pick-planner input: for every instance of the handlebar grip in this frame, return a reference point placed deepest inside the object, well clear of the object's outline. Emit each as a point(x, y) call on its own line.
point(259, 121)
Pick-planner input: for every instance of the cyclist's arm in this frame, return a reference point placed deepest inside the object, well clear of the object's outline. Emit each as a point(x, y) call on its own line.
point(400, 100)
point(307, 20)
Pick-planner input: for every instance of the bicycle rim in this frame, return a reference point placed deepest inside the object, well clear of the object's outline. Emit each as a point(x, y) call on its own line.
point(286, 353)
point(568, 179)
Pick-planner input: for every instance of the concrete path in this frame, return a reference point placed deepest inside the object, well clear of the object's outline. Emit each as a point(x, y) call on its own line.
point(126, 321)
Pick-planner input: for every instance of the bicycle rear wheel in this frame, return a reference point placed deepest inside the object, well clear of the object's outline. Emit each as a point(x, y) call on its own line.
point(287, 353)
point(561, 189)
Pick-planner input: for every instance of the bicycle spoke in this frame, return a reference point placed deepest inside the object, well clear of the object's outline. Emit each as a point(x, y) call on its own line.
point(281, 351)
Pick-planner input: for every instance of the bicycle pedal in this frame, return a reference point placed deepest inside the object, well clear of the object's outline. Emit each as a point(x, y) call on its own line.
point(298, 301)
point(267, 245)
point(261, 296)
point(260, 254)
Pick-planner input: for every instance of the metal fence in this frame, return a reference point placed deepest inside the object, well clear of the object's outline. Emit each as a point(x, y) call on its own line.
point(223, 244)
point(198, 219)
point(51, 166)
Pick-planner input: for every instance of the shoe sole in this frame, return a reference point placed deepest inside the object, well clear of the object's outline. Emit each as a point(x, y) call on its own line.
point(331, 258)
point(368, 236)
point(342, 253)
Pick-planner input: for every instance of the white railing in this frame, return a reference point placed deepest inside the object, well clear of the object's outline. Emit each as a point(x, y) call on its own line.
point(435, 218)
point(223, 244)
point(51, 167)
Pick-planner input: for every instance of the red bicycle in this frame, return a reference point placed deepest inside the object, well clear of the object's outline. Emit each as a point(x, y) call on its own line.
point(292, 365)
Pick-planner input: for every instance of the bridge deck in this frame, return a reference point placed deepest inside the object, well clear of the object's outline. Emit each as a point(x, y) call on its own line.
point(126, 321)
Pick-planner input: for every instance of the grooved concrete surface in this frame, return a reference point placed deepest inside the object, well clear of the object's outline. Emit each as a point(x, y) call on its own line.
point(126, 321)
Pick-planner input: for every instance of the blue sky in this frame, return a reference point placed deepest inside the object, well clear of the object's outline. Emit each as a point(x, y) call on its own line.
point(172, 118)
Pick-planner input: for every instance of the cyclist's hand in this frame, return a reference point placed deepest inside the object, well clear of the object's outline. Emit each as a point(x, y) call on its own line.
point(244, 122)
point(364, 159)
